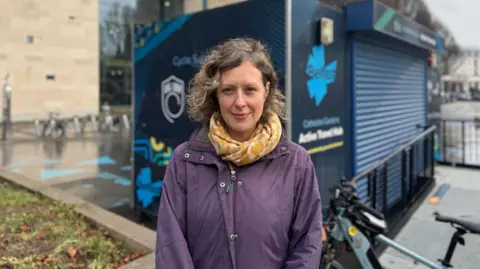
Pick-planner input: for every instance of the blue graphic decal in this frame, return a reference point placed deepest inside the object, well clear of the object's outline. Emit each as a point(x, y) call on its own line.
point(146, 190)
point(153, 151)
point(437, 154)
point(156, 40)
point(440, 47)
point(320, 74)
point(143, 146)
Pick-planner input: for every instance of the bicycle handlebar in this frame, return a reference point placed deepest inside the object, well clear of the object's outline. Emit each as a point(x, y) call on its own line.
point(371, 210)
point(346, 190)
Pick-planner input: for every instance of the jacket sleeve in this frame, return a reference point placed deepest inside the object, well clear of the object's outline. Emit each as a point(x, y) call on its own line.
point(171, 247)
point(305, 244)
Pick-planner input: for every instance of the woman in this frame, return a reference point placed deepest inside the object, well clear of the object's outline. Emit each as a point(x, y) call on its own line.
point(238, 194)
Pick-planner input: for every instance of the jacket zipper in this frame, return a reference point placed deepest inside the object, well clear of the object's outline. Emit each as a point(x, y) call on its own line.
point(231, 184)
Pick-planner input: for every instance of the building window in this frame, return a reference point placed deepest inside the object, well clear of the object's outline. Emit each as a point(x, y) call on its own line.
point(30, 39)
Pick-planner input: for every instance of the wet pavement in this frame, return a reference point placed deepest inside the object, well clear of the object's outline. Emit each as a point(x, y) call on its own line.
point(96, 168)
point(430, 238)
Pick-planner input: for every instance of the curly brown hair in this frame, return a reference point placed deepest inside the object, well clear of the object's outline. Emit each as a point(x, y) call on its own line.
point(202, 98)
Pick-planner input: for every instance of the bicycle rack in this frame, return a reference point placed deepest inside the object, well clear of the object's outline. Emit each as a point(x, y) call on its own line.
point(38, 128)
point(76, 126)
point(126, 122)
point(94, 122)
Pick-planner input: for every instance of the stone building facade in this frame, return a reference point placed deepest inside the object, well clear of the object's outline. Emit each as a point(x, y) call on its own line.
point(49, 48)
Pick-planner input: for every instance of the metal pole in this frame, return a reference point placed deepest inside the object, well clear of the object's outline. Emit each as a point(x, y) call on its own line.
point(463, 143)
point(7, 93)
point(205, 4)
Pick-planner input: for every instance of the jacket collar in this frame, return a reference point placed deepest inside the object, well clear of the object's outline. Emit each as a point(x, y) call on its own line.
point(200, 142)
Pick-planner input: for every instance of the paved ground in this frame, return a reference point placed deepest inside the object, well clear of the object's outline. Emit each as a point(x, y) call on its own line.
point(96, 168)
point(424, 235)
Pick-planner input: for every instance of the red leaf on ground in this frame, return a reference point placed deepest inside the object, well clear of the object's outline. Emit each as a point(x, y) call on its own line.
point(25, 228)
point(72, 252)
point(2, 246)
point(42, 234)
point(45, 259)
point(127, 258)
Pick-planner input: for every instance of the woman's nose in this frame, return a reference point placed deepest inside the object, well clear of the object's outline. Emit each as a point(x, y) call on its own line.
point(239, 99)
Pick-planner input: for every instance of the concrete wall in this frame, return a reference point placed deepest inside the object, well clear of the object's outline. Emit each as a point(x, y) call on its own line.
point(65, 45)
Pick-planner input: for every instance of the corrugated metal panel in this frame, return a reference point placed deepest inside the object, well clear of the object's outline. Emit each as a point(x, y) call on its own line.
point(389, 103)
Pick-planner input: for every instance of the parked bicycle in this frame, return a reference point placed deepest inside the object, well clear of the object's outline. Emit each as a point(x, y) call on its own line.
point(109, 121)
point(354, 226)
point(54, 126)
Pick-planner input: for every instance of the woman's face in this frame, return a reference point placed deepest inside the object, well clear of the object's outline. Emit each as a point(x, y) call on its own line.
point(241, 97)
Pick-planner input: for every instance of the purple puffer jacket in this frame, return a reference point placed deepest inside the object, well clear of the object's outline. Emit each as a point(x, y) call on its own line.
point(268, 216)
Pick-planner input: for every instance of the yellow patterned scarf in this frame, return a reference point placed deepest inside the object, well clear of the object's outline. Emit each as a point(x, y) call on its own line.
point(263, 141)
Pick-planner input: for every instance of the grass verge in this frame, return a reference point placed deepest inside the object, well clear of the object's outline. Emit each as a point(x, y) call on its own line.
point(37, 232)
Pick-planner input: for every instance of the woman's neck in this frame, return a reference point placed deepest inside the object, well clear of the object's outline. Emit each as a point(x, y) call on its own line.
point(240, 136)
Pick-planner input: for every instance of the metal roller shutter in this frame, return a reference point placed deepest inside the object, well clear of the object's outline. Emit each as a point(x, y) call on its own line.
point(389, 104)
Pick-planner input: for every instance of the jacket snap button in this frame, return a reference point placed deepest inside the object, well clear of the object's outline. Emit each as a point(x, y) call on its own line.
point(222, 184)
point(240, 183)
point(187, 155)
point(284, 148)
point(233, 237)
point(201, 158)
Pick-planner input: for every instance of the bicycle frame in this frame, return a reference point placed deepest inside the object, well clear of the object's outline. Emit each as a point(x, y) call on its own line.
point(344, 230)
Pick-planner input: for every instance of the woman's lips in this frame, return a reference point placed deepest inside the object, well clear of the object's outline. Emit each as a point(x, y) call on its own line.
point(240, 116)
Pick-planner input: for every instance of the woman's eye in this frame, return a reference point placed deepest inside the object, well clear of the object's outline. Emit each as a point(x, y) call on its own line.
point(227, 90)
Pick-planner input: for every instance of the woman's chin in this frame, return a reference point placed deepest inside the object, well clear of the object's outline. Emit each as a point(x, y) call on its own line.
point(240, 132)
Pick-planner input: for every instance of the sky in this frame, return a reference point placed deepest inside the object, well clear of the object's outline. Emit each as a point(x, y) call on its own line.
point(461, 17)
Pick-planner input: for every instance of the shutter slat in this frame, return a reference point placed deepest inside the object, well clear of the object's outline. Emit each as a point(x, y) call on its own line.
point(390, 101)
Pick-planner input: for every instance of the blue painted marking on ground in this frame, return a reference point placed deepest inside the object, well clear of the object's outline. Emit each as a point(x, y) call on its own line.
point(443, 189)
point(46, 174)
point(50, 161)
point(15, 170)
point(123, 181)
point(120, 202)
point(104, 160)
point(126, 168)
point(33, 161)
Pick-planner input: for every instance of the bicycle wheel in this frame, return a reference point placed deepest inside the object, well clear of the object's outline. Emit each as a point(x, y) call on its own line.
point(333, 265)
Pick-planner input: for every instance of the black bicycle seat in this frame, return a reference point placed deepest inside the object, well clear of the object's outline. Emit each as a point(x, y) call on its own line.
point(471, 226)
